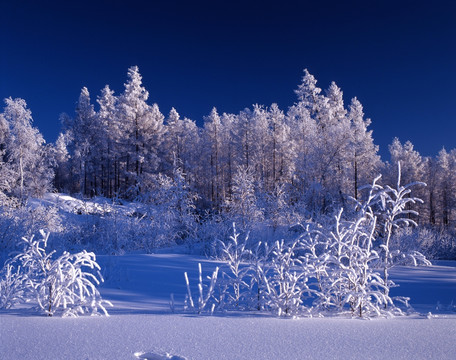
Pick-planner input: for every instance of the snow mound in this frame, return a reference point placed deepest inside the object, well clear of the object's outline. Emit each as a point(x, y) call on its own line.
point(157, 356)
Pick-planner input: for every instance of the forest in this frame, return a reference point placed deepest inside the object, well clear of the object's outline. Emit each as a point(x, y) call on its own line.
point(269, 170)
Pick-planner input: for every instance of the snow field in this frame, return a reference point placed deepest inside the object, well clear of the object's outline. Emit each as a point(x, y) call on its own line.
point(225, 337)
point(141, 322)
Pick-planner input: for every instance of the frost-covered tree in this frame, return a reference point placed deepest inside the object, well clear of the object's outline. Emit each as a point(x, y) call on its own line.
point(142, 128)
point(181, 144)
point(412, 167)
point(446, 167)
point(308, 94)
point(108, 138)
point(412, 164)
point(362, 155)
point(325, 181)
point(81, 132)
point(334, 135)
point(213, 140)
point(62, 177)
point(25, 156)
point(303, 130)
point(432, 190)
point(281, 148)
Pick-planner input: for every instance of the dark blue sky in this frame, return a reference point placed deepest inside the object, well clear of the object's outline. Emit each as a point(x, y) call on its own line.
point(397, 57)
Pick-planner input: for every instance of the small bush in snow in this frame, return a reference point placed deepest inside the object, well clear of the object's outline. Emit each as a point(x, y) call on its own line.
point(235, 286)
point(58, 285)
point(287, 283)
point(395, 212)
point(11, 287)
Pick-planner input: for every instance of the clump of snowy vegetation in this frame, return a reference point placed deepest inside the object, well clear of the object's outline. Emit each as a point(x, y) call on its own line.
point(64, 285)
point(341, 268)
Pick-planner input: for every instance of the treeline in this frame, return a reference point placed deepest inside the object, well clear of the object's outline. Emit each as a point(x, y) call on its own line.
point(263, 162)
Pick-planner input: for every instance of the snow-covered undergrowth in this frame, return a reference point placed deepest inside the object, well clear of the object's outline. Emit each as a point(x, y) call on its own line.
point(141, 321)
point(64, 284)
point(338, 268)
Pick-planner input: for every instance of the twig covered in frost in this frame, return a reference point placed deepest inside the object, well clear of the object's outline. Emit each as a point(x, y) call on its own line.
point(203, 299)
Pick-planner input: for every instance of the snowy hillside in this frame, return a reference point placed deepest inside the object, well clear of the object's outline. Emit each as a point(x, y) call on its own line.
point(142, 323)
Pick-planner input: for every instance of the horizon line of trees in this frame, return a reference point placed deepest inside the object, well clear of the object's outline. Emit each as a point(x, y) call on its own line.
point(262, 162)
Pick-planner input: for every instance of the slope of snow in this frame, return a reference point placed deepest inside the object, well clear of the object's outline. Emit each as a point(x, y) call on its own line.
point(141, 325)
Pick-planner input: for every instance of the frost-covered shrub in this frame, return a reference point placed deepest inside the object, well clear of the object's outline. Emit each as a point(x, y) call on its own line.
point(17, 220)
point(258, 272)
point(286, 283)
point(433, 243)
point(279, 210)
point(11, 287)
point(340, 263)
point(169, 208)
point(395, 212)
point(65, 284)
point(212, 232)
point(243, 205)
point(235, 285)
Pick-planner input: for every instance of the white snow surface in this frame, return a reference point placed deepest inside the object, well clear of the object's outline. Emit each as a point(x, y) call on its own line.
point(141, 325)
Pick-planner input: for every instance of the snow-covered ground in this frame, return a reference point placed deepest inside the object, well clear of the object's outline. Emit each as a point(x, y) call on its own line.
point(142, 326)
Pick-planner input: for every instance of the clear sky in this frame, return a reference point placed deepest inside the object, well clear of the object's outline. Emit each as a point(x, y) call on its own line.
point(397, 57)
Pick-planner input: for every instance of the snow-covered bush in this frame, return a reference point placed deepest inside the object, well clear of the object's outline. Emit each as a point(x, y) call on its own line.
point(287, 282)
point(258, 272)
point(340, 264)
point(243, 204)
point(433, 243)
point(394, 212)
point(11, 287)
point(170, 208)
point(18, 220)
point(58, 284)
point(235, 254)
